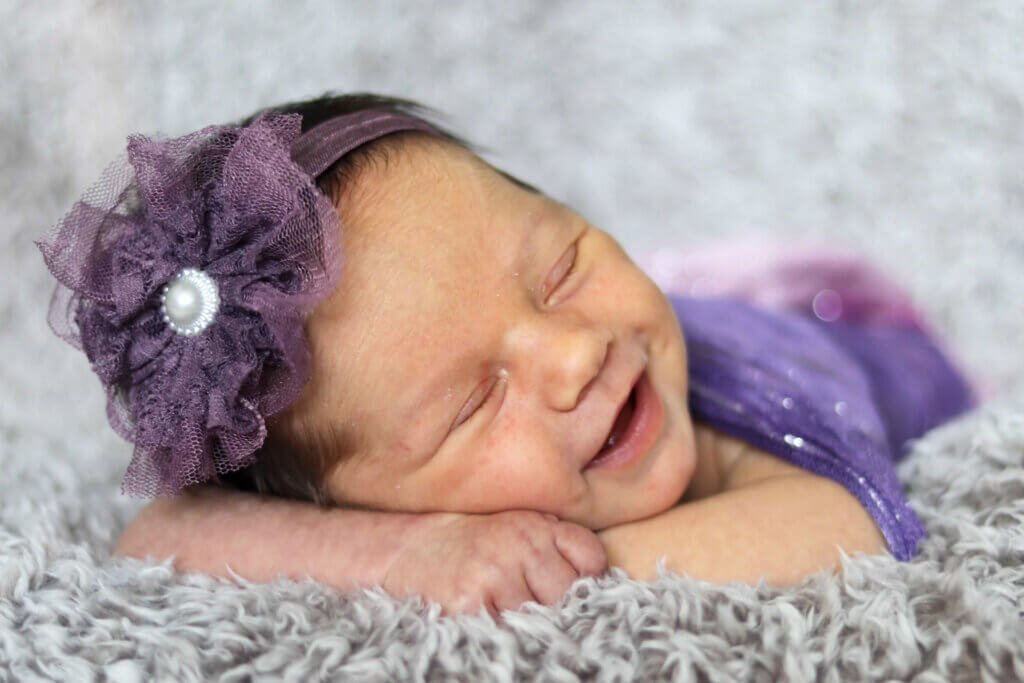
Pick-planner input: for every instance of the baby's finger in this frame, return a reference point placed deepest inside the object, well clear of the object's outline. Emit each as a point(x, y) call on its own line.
point(550, 576)
point(513, 595)
point(582, 548)
point(464, 604)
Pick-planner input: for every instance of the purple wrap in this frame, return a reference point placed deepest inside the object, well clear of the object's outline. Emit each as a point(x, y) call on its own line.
point(835, 383)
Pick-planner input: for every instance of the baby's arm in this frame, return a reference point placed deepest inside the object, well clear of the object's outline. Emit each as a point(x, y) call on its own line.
point(207, 527)
point(772, 520)
point(463, 562)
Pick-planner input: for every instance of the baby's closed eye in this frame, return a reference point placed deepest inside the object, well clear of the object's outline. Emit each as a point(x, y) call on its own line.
point(560, 275)
point(487, 391)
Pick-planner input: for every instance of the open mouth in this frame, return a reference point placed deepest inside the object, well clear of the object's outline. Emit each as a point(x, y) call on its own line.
point(635, 428)
point(622, 421)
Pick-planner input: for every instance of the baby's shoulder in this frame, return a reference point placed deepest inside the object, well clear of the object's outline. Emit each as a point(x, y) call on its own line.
point(741, 464)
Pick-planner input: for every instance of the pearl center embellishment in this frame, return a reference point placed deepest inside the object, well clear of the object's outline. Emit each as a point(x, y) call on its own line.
point(189, 301)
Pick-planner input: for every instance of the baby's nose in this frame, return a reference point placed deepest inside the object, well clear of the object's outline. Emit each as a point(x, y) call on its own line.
point(570, 361)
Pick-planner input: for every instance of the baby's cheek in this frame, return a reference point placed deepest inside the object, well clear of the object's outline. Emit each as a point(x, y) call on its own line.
point(639, 301)
point(516, 471)
point(665, 490)
point(678, 466)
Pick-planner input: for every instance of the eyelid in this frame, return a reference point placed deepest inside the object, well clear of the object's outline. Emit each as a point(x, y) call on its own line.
point(565, 266)
point(473, 404)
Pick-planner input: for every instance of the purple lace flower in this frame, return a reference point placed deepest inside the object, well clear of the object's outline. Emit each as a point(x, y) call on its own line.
point(185, 274)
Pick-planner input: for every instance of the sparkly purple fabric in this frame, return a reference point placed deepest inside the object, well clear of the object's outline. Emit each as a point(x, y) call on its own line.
point(228, 201)
point(838, 396)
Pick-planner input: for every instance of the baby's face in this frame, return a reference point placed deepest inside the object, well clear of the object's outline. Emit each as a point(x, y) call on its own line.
point(480, 345)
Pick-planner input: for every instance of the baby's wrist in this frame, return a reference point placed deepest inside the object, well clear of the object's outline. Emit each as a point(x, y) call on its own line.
point(370, 542)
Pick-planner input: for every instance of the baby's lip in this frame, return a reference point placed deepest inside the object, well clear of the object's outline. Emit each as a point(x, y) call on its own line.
point(614, 409)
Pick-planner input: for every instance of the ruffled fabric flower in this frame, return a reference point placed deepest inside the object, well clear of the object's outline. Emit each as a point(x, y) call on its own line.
point(230, 203)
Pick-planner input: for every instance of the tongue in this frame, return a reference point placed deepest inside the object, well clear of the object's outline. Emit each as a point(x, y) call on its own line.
point(621, 422)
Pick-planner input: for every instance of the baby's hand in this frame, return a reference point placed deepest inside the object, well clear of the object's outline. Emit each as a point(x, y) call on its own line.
point(498, 561)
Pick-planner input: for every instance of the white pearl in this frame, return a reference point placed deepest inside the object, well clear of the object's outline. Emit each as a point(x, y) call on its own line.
point(183, 304)
point(189, 302)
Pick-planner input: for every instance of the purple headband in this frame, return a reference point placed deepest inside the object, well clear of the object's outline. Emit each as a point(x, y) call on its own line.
point(186, 273)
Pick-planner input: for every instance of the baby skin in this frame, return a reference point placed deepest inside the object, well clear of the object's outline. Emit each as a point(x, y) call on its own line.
point(471, 365)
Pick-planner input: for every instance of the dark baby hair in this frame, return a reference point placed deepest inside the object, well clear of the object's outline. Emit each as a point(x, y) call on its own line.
point(294, 463)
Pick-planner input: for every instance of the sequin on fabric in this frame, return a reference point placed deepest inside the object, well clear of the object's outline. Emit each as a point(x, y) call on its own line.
point(836, 398)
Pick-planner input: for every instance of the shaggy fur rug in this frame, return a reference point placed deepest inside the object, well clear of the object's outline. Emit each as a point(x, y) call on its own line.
point(893, 128)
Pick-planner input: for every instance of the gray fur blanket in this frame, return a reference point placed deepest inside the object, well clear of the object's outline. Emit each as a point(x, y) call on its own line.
point(892, 128)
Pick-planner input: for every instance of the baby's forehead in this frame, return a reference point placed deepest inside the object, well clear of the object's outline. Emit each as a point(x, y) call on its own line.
point(437, 249)
point(437, 214)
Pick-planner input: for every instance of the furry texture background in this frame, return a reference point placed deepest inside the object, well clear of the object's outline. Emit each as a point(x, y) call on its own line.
point(891, 128)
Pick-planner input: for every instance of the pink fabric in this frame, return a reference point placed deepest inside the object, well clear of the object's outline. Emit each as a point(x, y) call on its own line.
point(826, 282)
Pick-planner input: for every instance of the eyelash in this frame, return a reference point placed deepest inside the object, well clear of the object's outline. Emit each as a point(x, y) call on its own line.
point(486, 399)
point(568, 273)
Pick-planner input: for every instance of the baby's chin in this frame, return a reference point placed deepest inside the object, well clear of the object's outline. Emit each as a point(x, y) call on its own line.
point(658, 482)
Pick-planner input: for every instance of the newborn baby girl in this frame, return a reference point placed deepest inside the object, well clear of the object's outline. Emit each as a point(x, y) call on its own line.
point(486, 398)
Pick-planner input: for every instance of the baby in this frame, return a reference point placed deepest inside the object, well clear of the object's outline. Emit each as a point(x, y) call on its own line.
point(497, 404)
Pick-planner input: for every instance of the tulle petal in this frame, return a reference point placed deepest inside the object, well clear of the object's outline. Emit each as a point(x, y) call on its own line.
point(231, 202)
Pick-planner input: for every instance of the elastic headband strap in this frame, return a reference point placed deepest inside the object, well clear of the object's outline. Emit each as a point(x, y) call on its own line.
point(323, 144)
